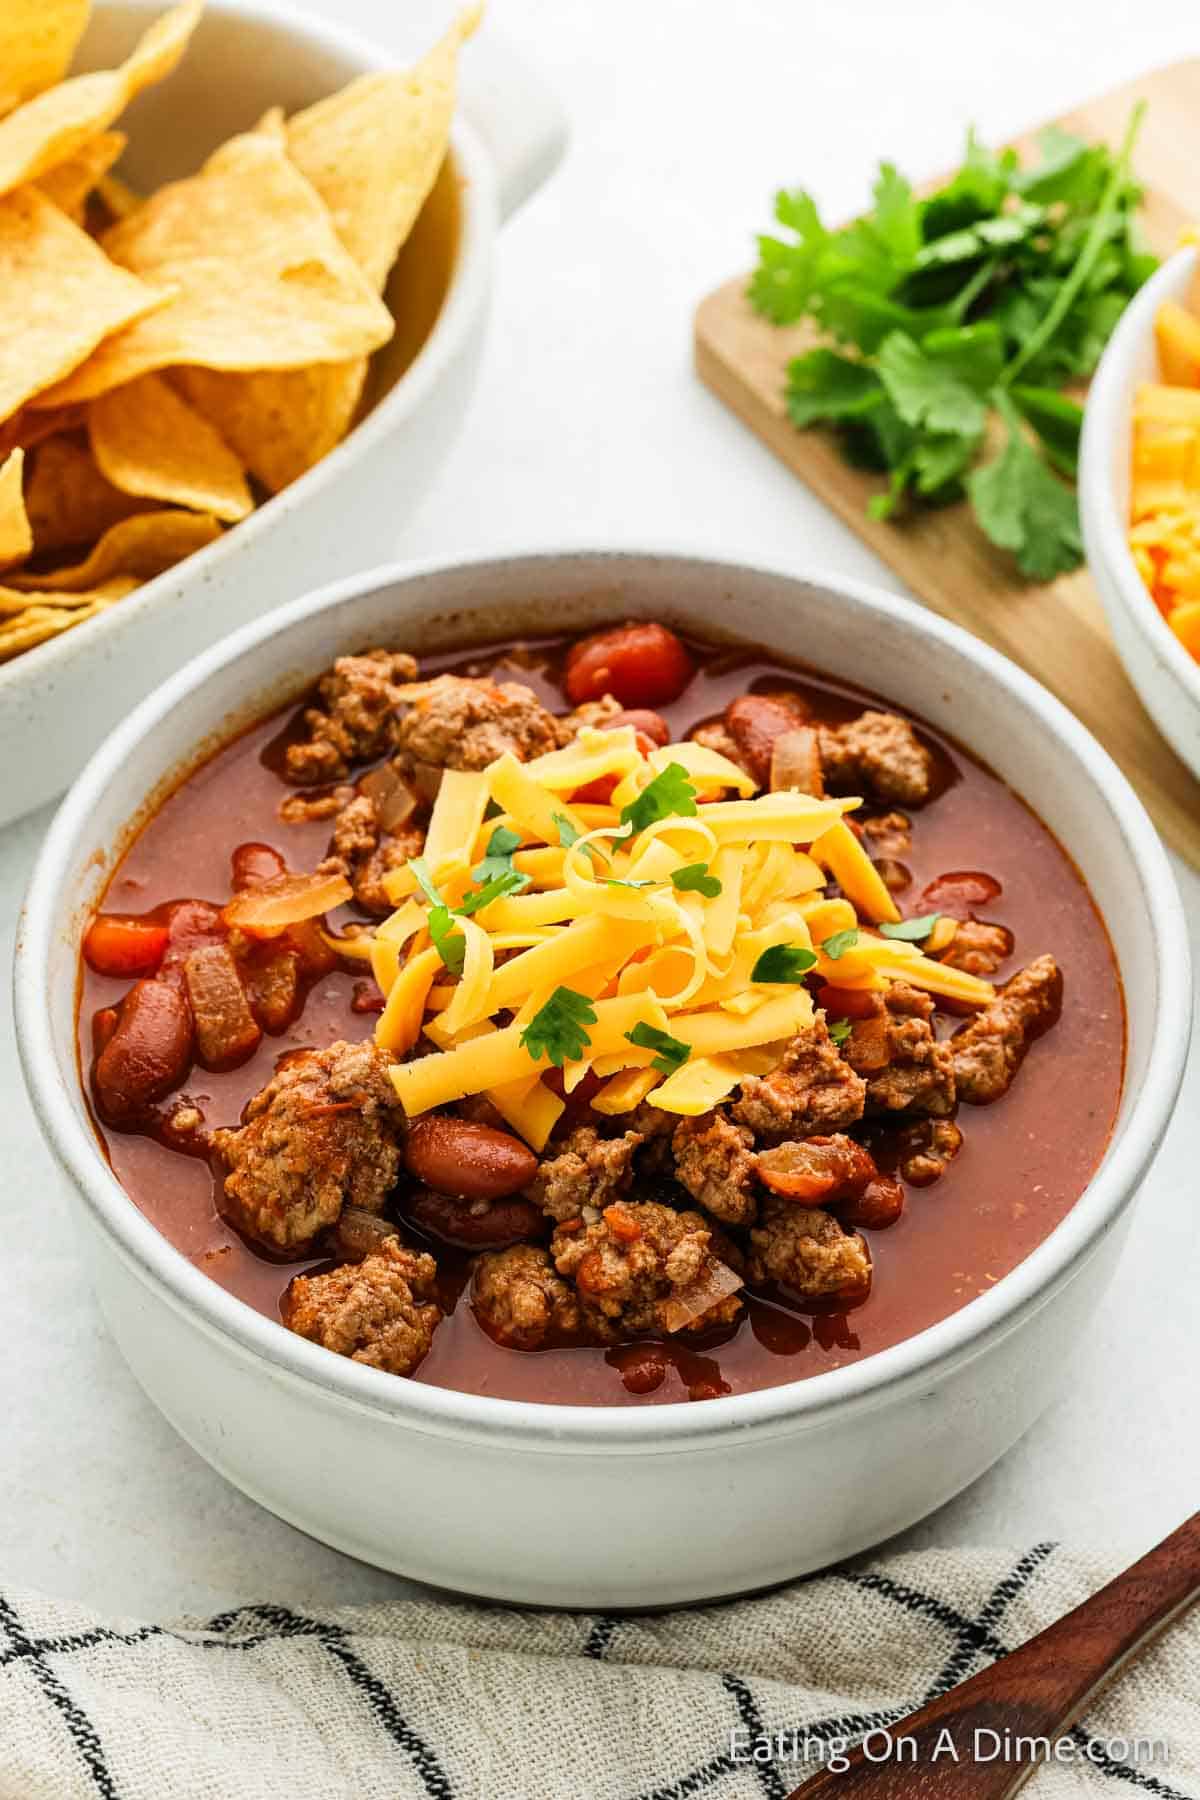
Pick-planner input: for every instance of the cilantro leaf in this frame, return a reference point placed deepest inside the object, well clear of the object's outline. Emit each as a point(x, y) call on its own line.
point(928, 390)
point(840, 942)
point(1024, 507)
point(672, 1052)
point(783, 962)
point(910, 931)
point(498, 857)
point(695, 879)
point(670, 795)
point(424, 880)
point(558, 1030)
point(823, 385)
point(840, 1030)
point(450, 945)
point(509, 881)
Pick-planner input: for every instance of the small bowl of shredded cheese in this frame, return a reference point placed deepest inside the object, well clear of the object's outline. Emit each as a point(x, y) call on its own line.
point(1139, 487)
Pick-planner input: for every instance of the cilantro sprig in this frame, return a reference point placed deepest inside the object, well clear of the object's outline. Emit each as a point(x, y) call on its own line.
point(672, 1052)
point(841, 941)
point(669, 796)
point(982, 300)
point(558, 1030)
point(910, 931)
point(784, 962)
point(839, 1030)
point(695, 879)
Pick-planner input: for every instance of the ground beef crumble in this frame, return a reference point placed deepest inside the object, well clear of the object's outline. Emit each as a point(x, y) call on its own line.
point(714, 1161)
point(878, 751)
point(812, 1089)
point(636, 1265)
point(807, 1251)
point(906, 1068)
point(585, 1170)
point(325, 1132)
point(925, 1149)
point(466, 723)
point(362, 851)
point(379, 1311)
point(989, 1050)
point(355, 719)
point(978, 948)
point(519, 1299)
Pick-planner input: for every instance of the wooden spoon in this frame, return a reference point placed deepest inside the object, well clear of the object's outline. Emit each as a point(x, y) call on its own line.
point(1036, 1692)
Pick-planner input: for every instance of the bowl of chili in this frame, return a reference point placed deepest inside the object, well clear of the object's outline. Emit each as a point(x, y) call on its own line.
point(623, 1457)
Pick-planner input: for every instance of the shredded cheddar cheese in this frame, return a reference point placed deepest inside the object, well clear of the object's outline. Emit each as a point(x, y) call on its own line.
point(624, 936)
point(1164, 532)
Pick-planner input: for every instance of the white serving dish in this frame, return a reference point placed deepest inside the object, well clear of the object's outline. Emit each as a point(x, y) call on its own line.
point(602, 1507)
point(58, 700)
point(1165, 676)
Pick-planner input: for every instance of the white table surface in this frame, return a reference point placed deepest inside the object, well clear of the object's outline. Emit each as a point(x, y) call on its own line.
point(588, 424)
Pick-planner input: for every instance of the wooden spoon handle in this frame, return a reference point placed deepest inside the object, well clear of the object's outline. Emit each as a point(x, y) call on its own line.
point(1036, 1692)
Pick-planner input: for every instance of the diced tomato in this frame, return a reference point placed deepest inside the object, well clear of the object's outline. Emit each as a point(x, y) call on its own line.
point(846, 1003)
point(639, 665)
point(125, 946)
point(598, 792)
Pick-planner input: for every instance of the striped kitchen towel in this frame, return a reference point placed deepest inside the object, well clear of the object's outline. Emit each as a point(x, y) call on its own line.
point(444, 1701)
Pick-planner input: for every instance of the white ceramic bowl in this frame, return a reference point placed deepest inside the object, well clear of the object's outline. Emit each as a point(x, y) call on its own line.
point(348, 512)
point(1165, 676)
point(608, 1507)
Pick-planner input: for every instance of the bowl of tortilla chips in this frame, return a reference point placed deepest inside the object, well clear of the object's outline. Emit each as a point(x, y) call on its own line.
point(244, 272)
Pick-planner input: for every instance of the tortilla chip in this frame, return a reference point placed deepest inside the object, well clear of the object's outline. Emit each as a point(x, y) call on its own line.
point(148, 441)
point(27, 428)
point(35, 624)
point(59, 296)
point(262, 281)
point(69, 502)
point(57, 124)
point(280, 424)
point(144, 545)
point(37, 42)
point(16, 539)
point(372, 152)
point(69, 183)
point(15, 600)
point(117, 197)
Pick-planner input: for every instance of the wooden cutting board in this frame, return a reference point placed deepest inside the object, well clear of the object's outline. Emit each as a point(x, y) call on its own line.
point(1057, 631)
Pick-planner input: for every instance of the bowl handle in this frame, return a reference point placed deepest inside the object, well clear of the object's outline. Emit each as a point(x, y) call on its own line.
point(519, 119)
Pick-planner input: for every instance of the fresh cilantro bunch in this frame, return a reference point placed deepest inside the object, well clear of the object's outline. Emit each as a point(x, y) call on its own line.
point(959, 320)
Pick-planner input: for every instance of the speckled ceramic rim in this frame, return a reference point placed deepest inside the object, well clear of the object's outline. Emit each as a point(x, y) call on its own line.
point(560, 1429)
point(1105, 424)
point(467, 290)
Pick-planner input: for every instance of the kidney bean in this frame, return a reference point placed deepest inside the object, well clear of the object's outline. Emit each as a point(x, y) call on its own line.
point(472, 1162)
point(104, 1023)
point(880, 1204)
point(493, 1227)
point(147, 1055)
point(647, 724)
point(960, 892)
point(754, 721)
point(639, 665)
point(252, 865)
